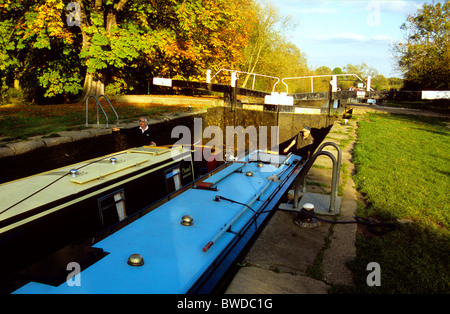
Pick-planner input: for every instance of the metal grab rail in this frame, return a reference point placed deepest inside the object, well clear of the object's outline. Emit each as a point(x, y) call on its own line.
point(338, 160)
point(101, 107)
point(334, 178)
point(107, 99)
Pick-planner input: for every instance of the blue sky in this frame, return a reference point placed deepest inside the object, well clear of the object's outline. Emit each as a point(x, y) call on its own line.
point(339, 32)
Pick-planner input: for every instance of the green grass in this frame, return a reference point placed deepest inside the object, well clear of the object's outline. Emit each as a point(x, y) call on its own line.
point(402, 171)
point(403, 167)
point(413, 259)
point(20, 121)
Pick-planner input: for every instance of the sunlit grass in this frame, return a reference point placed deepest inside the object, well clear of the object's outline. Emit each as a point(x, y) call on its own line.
point(21, 121)
point(403, 171)
point(403, 167)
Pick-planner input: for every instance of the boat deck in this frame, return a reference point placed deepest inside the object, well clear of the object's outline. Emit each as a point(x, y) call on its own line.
point(174, 254)
point(20, 196)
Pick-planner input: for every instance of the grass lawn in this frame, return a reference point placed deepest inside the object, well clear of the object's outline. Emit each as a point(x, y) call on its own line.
point(20, 121)
point(403, 173)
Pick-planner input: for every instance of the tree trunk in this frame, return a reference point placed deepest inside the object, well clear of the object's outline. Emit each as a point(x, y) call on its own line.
point(17, 84)
point(251, 67)
point(93, 85)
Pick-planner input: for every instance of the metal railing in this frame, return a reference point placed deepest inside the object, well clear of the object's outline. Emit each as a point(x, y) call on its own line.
point(314, 76)
point(101, 107)
point(301, 182)
point(233, 77)
point(117, 116)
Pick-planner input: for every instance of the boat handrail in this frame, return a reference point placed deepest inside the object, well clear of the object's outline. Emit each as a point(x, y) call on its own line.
point(235, 218)
point(241, 212)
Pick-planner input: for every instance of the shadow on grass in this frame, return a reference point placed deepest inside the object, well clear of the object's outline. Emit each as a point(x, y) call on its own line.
point(413, 260)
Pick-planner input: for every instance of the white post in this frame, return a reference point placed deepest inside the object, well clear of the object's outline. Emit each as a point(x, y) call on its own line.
point(208, 76)
point(368, 83)
point(233, 79)
point(334, 84)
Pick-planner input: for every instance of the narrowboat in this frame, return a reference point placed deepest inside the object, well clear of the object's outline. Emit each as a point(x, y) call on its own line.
point(187, 242)
point(43, 213)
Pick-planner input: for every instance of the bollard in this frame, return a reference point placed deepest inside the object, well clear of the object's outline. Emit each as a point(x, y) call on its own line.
point(305, 217)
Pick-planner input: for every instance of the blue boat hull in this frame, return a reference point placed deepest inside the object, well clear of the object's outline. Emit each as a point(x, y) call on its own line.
point(228, 208)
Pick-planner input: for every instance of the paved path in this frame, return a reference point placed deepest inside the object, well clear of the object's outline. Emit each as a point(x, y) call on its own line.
point(363, 108)
point(284, 254)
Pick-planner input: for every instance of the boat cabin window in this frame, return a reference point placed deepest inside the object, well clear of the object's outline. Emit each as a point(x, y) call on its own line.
point(112, 208)
point(173, 179)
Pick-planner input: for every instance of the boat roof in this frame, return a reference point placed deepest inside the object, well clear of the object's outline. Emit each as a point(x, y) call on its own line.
point(174, 255)
point(19, 196)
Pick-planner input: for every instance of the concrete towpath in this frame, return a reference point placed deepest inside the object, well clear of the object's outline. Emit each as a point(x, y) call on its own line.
point(288, 259)
point(363, 108)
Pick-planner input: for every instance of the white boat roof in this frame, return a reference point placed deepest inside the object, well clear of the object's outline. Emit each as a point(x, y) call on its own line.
point(19, 196)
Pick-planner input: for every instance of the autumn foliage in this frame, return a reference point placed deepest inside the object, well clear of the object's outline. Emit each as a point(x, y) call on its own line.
point(424, 56)
point(121, 43)
point(65, 50)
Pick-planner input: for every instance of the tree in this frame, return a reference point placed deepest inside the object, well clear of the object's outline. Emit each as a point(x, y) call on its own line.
point(284, 60)
point(424, 57)
point(321, 84)
point(337, 71)
point(32, 42)
point(362, 70)
point(323, 70)
point(83, 45)
point(267, 35)
point(395, 83)
point(380, 82)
